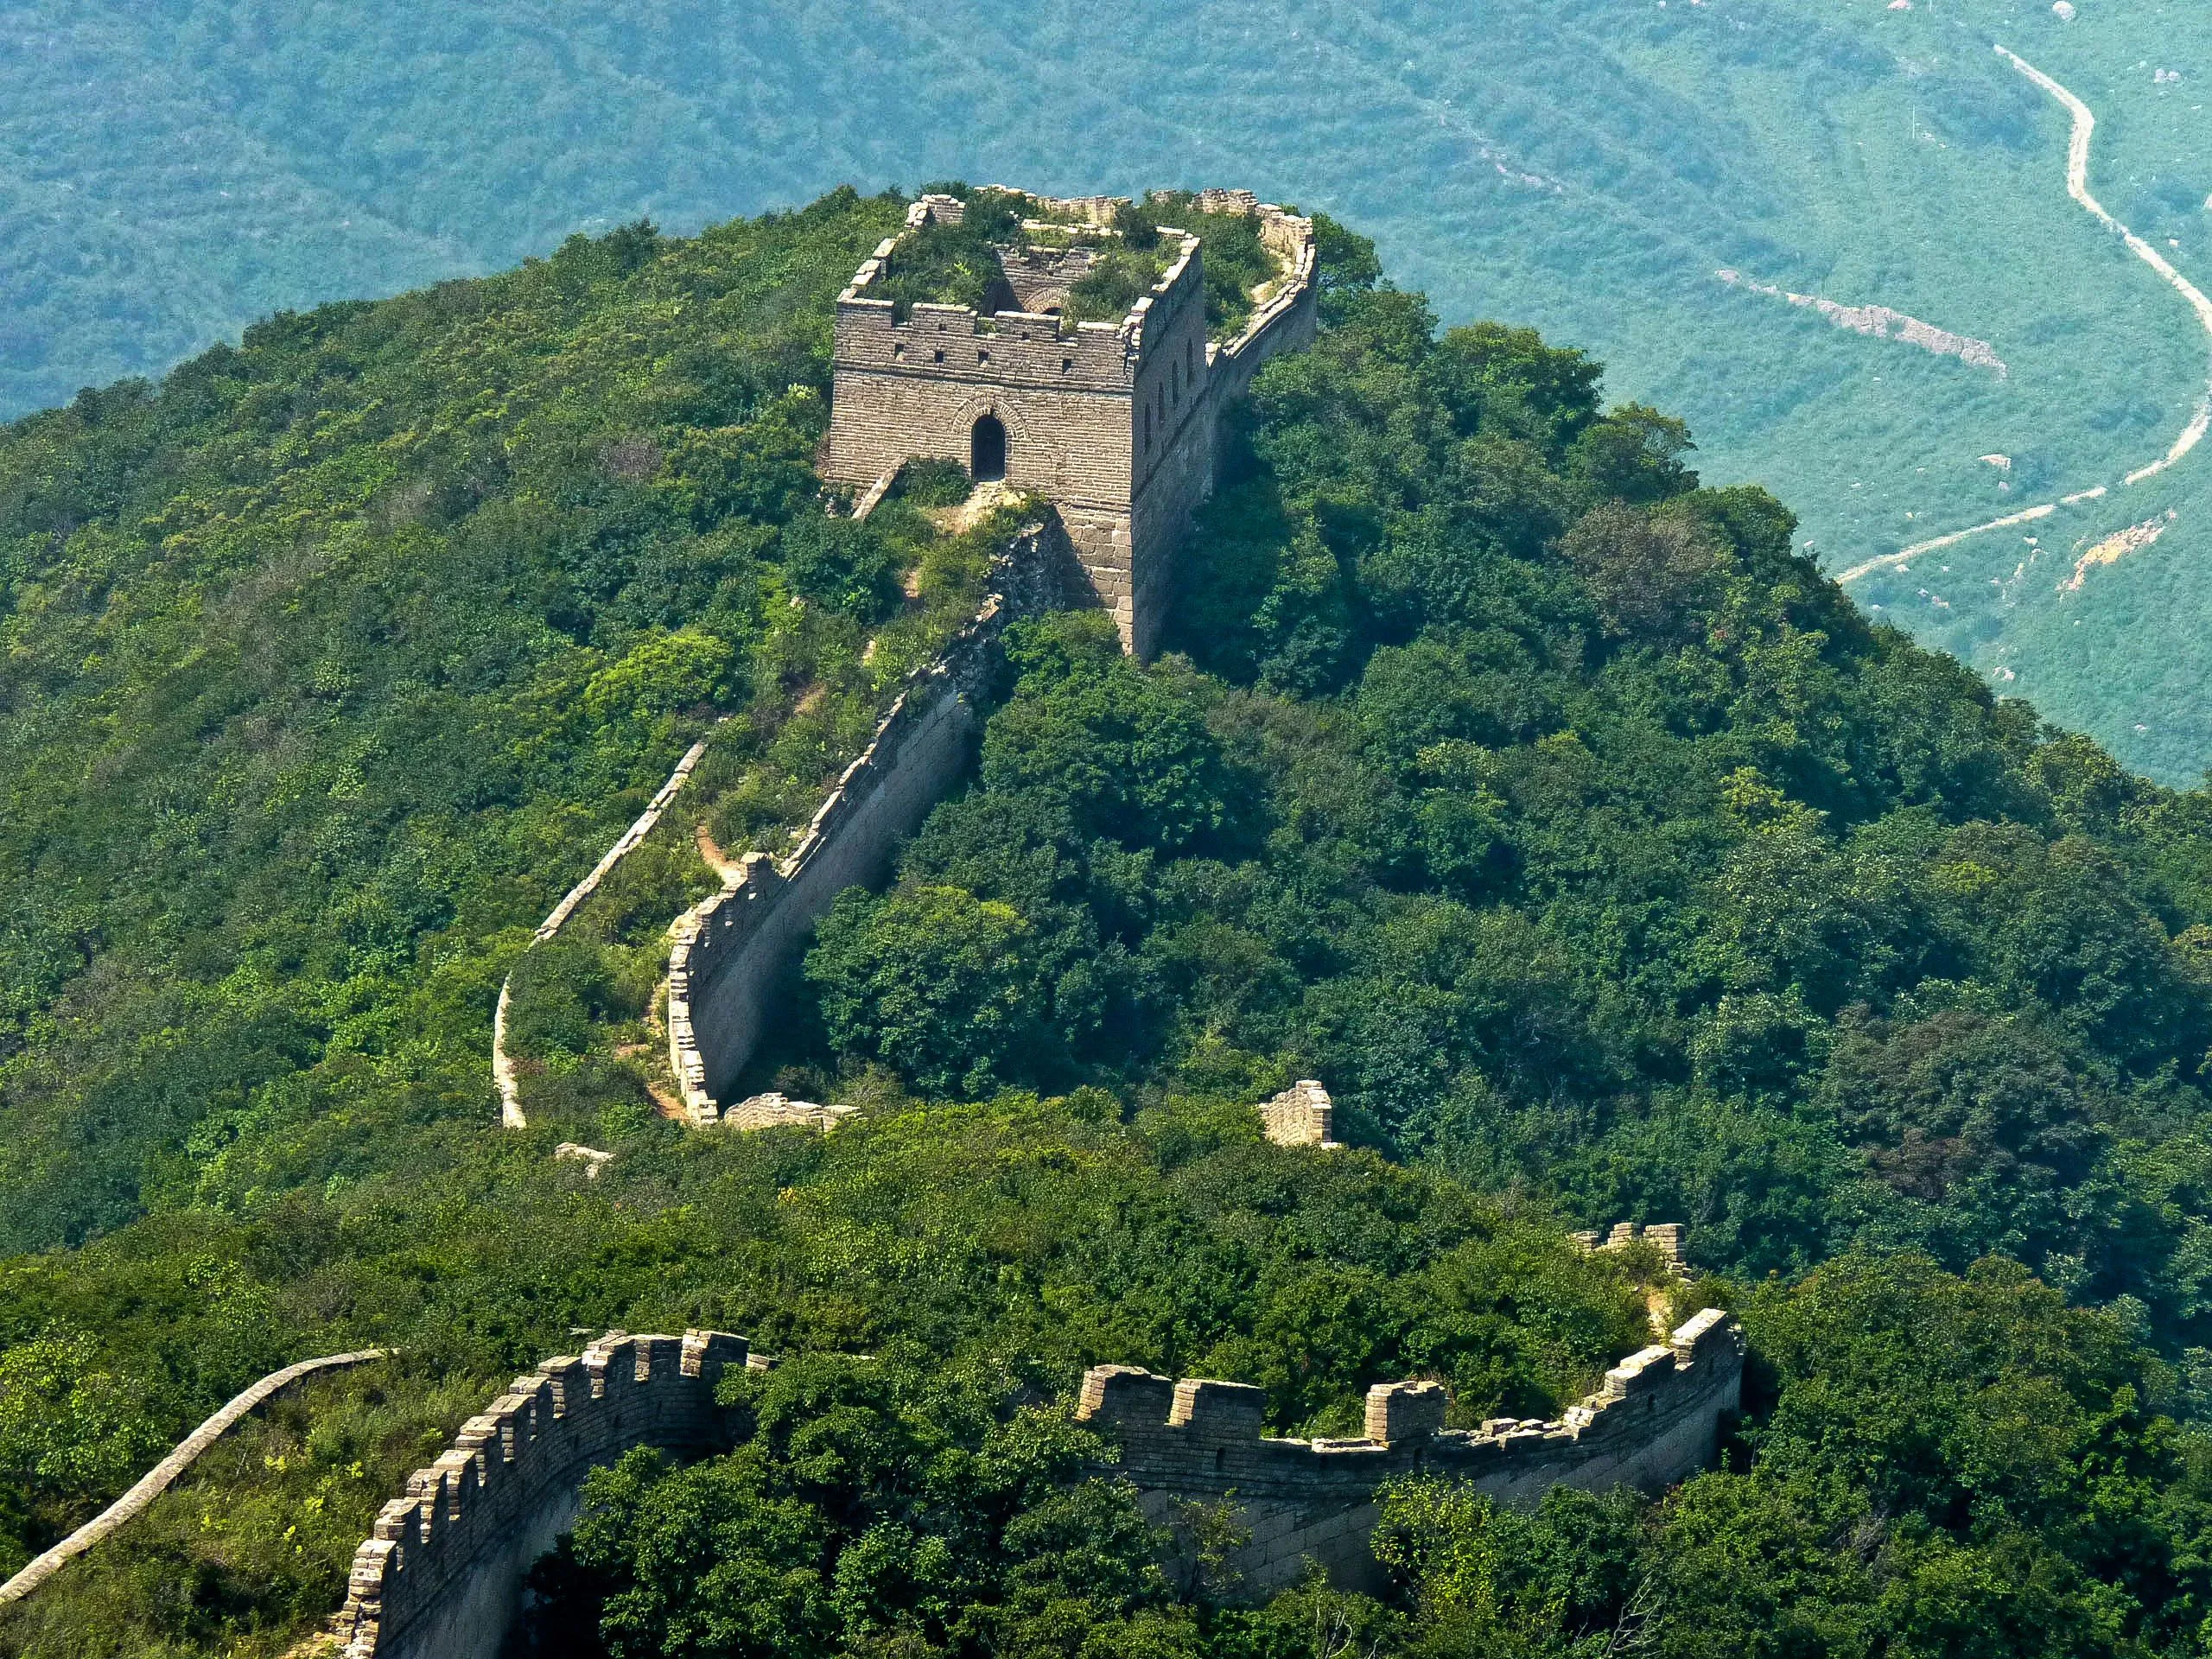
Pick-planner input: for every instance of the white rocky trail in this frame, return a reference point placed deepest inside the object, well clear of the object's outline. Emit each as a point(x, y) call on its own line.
point(2077, 186)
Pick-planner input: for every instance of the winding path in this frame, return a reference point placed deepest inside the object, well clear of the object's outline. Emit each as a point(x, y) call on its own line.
point(157, 1480)
point(2077, 185)
point(503, 1066)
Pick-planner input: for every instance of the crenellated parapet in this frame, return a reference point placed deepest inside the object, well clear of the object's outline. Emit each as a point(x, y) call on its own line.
point(442, 1573)
point(733, 951)
point(1114, 422)
point(1655, 1420)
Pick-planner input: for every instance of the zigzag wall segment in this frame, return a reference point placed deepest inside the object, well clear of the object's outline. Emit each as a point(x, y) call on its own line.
point(1655, 1421)
point(441, 1576)
point(732, 950)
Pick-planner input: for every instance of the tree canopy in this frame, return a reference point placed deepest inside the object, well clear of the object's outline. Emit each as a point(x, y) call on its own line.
point(1599, 857)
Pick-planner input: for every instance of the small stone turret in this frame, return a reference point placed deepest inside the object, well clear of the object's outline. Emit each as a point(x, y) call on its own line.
point(1301, 1115)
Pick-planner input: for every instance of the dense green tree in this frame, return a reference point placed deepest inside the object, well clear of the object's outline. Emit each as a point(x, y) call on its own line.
point(933, 981)
point(1546, 805)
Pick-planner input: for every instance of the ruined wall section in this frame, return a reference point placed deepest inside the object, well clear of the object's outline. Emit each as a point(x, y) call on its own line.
point(1040, 277)
point(443, 1572)
point(1655, 1421)
point(733, 951)
point(1173, 437)
point(1288, 320)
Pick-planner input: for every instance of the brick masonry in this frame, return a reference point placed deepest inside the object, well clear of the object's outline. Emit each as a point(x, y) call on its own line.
point(443, 1573)
point(1301, 1115)
point(1114, 422)
point(163, 1475)
point(733, 950)
point(1655, 1421)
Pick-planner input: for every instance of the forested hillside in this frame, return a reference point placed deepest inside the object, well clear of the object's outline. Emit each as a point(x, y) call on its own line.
point(1585, 166)
point(1549, 807)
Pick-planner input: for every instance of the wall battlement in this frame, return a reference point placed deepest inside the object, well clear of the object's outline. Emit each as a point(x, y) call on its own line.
point(1655, 1421)
point(731, 951)
point(1115, 424)
point(442, 1573)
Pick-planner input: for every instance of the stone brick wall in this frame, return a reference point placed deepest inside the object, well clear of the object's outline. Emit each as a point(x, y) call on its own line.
point(1173, 423)
point(1115, 424)
point(1040, 277)
point(1655, 1421)
point(1301, 1115)
point(504, 1076)
point(1664, 1237)
point(1287, 321)
point(733, 951)
point(441, 1575)
point(158, 1479)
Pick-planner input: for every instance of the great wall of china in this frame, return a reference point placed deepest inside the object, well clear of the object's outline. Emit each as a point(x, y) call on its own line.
point(731, 952)
point(442, 1575)
point(1115, 427)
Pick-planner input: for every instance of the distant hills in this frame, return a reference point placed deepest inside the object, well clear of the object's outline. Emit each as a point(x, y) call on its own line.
point(1588, 166)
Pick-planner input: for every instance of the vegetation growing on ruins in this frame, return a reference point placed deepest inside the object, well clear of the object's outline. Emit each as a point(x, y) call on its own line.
point(954, 264)
point(1120, 276)
point(959, 265)
point(1943, 1466)
point(1598, 855)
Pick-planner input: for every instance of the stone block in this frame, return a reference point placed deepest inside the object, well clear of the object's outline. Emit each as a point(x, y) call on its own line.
point(1405, 1411)
point(1642, 1371)
point(1301, 1115)
point(1124, 1394)
point(1220, 1410)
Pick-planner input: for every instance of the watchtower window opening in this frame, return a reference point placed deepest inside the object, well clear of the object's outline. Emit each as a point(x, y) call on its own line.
point(987, 450)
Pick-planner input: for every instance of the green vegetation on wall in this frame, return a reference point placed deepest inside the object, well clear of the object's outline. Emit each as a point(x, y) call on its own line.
point(1546, 804)
point(1584, 166)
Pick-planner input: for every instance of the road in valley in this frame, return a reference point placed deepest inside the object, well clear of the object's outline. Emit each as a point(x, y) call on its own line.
point(2077, 185)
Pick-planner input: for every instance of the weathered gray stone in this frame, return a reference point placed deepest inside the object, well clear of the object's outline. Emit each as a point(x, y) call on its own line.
point(1655, 1421)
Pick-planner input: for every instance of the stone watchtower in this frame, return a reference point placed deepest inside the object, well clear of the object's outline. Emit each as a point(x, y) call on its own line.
point(1113, 422)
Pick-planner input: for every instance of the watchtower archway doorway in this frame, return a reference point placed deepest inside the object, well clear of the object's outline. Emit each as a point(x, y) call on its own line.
point(987, 450)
